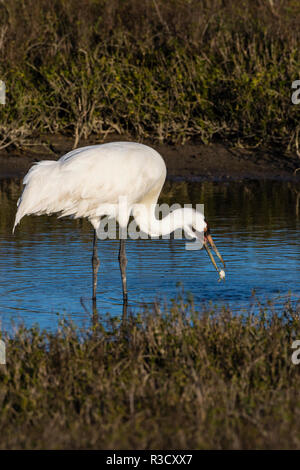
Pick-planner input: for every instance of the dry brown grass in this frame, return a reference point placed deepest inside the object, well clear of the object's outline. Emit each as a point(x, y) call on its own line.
point(176, 379)
point(169, 70)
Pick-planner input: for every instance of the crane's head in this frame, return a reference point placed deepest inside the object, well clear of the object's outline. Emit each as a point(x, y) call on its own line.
point(199, 229)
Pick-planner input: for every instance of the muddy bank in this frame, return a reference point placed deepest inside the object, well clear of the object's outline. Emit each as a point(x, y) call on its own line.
point(214, 162)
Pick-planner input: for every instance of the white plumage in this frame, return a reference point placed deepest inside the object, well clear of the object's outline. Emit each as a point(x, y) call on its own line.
point(86, 182)
point(89, 182)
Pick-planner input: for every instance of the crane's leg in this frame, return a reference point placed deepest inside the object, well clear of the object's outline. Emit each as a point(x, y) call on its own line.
point(95, 264)
point(123, 264)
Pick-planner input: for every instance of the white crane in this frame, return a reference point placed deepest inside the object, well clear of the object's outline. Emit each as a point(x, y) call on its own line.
point(89, 182)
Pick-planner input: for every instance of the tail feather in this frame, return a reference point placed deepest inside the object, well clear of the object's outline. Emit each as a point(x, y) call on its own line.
point(38, 188)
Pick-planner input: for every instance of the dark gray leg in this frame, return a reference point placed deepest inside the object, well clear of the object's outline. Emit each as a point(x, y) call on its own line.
point(95, 264)
point(123, 264)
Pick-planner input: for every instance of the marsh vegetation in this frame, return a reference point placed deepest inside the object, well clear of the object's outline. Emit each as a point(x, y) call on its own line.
point(167, 379)
point(168, 70)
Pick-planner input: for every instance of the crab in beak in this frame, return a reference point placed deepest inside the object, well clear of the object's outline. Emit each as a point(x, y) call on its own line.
point(208, 242)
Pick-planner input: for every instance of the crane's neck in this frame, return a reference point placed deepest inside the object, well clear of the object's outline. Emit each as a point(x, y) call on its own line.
point(148, 223)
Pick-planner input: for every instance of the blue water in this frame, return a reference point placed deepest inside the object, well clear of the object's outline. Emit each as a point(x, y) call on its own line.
point(45, 268)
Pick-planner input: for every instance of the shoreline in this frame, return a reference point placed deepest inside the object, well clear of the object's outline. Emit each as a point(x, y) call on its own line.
point(190, 162)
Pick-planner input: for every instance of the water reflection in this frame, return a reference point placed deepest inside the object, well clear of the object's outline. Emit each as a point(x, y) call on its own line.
point(45, 268)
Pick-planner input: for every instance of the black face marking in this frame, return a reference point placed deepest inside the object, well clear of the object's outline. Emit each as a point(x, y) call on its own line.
point(207, 231)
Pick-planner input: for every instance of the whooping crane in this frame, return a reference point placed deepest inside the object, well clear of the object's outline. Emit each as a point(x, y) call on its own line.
point(89, 182)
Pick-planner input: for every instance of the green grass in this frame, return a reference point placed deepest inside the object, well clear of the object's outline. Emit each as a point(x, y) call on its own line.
point(171, 379)
point(165, 70)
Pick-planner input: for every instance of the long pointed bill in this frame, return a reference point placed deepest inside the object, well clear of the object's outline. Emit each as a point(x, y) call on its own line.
point(212, 244)
point(220, 271)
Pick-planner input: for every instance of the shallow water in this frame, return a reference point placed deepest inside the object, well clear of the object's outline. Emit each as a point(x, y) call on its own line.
point(45, 268)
